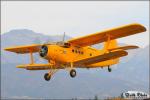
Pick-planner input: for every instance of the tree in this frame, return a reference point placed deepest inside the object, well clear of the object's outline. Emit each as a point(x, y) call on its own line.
point(96, 97)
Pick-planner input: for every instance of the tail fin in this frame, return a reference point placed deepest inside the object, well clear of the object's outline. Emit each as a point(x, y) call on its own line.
point(110, 45)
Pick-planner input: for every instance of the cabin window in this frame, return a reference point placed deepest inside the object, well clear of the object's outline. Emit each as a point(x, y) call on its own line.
point(90, 54)
point(76, 51)
point(73, 50)
point(79, 52)
point(82, 52)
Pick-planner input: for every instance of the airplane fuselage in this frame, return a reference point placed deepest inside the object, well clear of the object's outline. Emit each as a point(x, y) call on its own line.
point(62, 55)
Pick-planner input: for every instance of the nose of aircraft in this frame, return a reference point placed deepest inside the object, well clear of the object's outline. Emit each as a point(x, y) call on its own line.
point(43, 51)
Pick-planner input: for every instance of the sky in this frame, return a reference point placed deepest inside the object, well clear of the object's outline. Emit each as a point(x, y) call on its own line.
point(76, 18)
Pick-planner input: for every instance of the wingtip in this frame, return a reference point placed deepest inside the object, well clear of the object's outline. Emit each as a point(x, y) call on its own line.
point(21, 66)
point(6, 49)
point(136, 47)
point(141, 27)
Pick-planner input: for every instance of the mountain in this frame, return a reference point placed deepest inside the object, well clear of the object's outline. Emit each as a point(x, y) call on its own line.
point(137, 65)
point(131, 74)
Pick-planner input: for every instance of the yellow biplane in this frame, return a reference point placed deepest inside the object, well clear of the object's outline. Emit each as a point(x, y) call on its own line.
point(78, 53)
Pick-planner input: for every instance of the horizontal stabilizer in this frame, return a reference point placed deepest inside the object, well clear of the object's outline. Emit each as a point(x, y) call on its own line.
point(124, 48)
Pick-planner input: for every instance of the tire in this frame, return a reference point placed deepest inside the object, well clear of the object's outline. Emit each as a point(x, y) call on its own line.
point(47, 77)
point(109, 69)
point(72, 73)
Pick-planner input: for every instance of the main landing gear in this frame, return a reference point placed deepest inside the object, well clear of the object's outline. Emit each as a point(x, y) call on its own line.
point(72, 73)
point(109, 69)
point(47, 76)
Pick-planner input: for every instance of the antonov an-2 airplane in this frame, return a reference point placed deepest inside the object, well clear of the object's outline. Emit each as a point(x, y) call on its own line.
point(78, 53)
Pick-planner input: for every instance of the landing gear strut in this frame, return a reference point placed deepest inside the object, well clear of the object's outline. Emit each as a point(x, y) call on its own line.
point(47, 77)
point(72, 73)
point(109, 69)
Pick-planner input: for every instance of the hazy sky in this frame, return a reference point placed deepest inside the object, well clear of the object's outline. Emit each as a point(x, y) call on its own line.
point(76, 18)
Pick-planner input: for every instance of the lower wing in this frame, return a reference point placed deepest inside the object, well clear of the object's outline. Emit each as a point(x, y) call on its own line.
point(36, 66)
point(100, 58)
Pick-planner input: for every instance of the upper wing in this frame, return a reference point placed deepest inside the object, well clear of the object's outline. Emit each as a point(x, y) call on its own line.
point(112, 33)
point(24, 49)
point(100, 58)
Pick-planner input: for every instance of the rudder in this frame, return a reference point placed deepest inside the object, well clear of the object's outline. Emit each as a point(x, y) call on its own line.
point(110, 44)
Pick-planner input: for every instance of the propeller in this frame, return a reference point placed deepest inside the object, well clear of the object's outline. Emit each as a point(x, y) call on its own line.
point(64, 37)
point(44, 49)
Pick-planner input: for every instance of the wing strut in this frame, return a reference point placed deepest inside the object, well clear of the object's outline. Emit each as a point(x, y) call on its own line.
point(108, 42)
point(31, 57)
point(71, 64)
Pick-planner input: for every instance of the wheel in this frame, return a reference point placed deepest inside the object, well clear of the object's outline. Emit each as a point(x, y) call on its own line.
point(47, 77)
point(109, 69)
point(72, 73)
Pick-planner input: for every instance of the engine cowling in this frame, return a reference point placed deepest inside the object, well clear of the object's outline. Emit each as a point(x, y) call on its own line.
point(43, 51)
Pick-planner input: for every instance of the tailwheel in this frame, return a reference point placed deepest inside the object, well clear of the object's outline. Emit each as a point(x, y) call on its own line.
point(109, 69)
point(73, 73)
point(47, 77)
